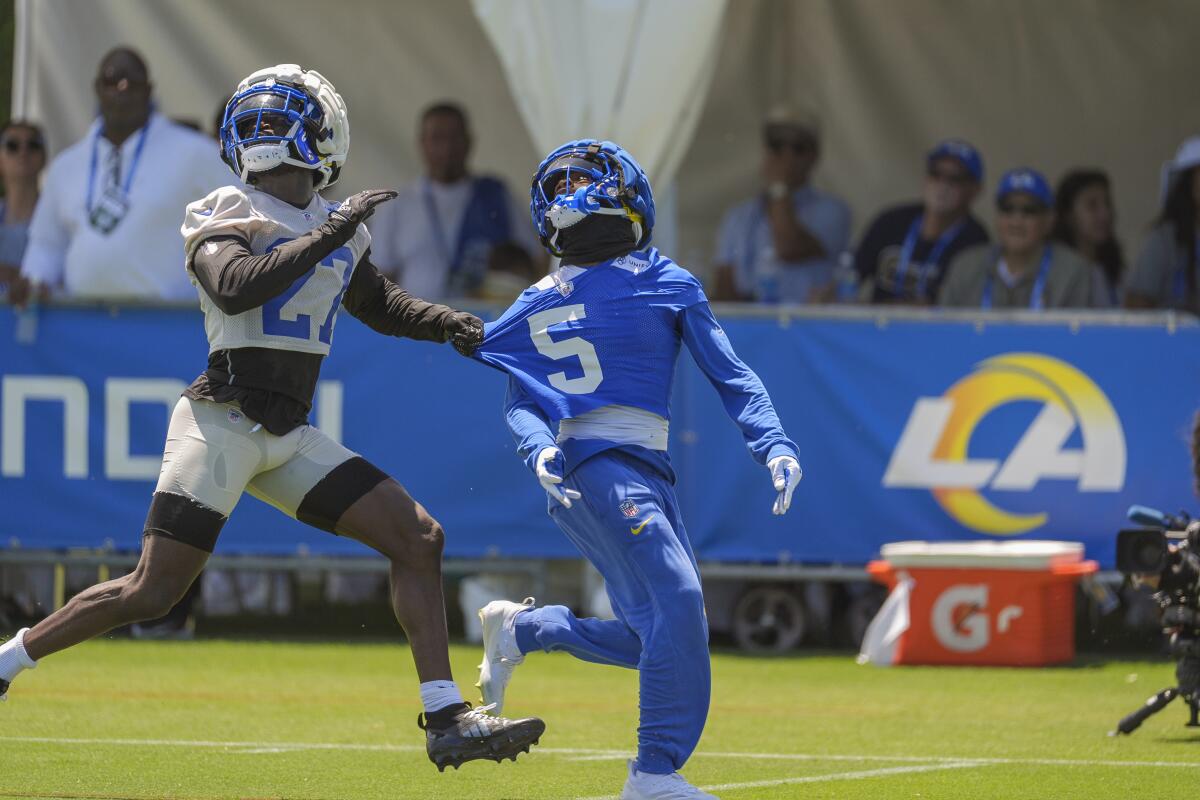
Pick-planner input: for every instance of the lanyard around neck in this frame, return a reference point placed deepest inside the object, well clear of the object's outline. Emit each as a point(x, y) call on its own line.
point(935, 255)
point(437, 229)
point(1036, 301)
point(133, 164)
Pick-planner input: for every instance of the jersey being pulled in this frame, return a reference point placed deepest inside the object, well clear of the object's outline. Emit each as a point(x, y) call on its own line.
point(609, 335)
point(584, 338)
point(302, 317)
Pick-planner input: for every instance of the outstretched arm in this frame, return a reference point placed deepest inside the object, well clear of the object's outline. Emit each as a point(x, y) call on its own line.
point(237, 280)
point(745, 400)
point(390, 310)
point(742, 393)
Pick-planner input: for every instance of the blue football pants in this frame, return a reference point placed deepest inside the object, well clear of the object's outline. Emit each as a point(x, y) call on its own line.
point(627, 524)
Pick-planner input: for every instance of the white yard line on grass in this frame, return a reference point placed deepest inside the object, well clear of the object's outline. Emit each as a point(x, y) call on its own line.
point(595, 753)
point(611, 755)
point(837, 776)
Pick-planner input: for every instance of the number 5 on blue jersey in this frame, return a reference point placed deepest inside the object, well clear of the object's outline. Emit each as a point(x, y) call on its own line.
point(577, 346)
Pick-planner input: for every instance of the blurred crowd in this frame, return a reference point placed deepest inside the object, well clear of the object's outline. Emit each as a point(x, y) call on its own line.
point(103, 221)
point(1052, 247)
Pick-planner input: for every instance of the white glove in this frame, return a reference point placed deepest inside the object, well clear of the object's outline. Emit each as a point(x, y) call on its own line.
point(785, 474)
point(550, 481)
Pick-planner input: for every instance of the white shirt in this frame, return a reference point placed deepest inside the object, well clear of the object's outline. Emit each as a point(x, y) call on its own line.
point(142, 257)
point(405, 241)
point(745, 241)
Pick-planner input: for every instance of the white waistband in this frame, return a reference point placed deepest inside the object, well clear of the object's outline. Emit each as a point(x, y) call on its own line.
point(621, 424)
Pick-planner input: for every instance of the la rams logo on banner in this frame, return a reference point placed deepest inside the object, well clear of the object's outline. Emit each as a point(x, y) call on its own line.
point(932, 452)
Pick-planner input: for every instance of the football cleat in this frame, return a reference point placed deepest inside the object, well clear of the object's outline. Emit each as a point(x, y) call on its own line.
point(474, 734)
point(500, 653)
point(3, 691)
point(648, 786)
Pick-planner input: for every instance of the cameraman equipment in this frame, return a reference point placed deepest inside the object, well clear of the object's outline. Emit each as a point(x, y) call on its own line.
point(1166, 557)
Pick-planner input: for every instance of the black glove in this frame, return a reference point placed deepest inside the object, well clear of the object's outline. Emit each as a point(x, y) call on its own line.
point(358, 207)
point(465, 331)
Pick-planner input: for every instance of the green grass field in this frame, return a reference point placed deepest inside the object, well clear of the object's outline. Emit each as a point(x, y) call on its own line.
point(227, 719)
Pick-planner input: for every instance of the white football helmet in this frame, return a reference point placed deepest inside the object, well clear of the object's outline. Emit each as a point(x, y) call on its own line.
point(286, 115)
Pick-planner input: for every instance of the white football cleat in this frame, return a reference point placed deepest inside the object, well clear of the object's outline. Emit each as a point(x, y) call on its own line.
point(500, 653)
point(647, 786)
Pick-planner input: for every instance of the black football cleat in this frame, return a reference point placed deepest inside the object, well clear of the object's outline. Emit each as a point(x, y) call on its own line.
point(3, 691)
point(473, 734)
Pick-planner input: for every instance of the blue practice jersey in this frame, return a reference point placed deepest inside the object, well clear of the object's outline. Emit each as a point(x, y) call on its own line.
point(608, 335)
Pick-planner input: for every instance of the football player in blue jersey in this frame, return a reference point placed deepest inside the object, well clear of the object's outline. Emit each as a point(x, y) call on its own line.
point(590, 352)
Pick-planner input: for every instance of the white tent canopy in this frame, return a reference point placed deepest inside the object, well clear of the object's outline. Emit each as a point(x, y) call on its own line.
point(641, 84)
point(1052, 85)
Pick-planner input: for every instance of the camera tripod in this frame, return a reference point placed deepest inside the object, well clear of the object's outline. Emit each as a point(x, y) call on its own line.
point(1186, 673)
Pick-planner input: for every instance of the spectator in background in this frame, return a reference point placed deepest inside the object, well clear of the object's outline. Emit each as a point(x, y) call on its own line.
point(1025, 270)
point(437, 237)
point(107, 223)
point(782, 244)
point(1084, 220)
point(905, 252)
point(22, 157)
point(510, 271)
point(1164, 274)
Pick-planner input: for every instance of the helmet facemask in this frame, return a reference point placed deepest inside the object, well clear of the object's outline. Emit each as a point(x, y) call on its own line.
point(580, 183)
point(285, 115)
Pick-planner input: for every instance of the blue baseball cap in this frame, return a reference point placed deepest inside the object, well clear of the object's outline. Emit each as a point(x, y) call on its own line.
point(1026, 180)
point(960, 151)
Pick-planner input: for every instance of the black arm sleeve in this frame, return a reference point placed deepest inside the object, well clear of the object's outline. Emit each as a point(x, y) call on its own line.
point(390, 310)
point(238, 281)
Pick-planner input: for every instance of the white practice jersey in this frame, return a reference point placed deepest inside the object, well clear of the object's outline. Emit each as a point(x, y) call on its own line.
point(301, 318)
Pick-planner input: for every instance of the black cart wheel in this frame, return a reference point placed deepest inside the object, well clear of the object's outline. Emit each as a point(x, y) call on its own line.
point(768, 619)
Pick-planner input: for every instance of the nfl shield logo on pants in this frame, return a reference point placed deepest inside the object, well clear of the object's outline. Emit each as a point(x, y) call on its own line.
point(629, 508)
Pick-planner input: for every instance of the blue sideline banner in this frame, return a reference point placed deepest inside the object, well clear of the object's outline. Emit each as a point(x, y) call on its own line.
point(84, 417)
point(922, 429)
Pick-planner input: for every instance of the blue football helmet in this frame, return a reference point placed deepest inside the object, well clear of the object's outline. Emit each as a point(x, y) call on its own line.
point(285, 115)
point(585, 177)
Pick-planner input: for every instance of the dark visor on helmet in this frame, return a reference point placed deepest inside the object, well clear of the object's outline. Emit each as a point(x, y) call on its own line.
point(564, 169)
point(275, 110)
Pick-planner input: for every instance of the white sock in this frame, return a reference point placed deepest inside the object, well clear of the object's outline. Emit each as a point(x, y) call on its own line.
point(13, 658)
point(436, 695)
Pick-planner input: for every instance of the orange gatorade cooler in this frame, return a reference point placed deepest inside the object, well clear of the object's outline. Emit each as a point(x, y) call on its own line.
point(1008, 603)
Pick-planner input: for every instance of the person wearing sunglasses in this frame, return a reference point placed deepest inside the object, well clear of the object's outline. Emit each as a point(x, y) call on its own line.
point(781, 245)
point(906, 249)
point(1164, 275)
point(22, 158)
point(106, 225)
point(1025, 269)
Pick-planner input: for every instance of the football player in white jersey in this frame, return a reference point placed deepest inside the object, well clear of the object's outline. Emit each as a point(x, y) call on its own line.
point(272, 261)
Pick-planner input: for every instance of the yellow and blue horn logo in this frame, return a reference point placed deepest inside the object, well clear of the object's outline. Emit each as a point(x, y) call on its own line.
point(932, 452)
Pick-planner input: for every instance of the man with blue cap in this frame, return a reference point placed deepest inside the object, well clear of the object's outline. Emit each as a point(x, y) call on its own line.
point(1024, 269)
point(904, 253)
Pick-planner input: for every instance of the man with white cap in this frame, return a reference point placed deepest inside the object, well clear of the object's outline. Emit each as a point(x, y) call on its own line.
point(1025, 270)
point(1164, 274)
point(782, 244)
